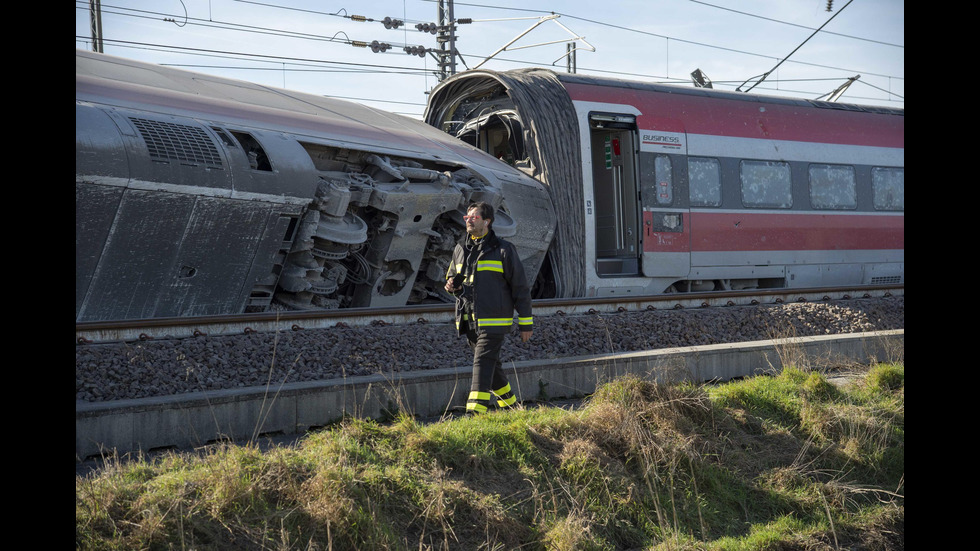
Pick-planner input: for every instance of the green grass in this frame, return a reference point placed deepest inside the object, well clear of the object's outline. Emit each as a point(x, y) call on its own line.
point(776, 462)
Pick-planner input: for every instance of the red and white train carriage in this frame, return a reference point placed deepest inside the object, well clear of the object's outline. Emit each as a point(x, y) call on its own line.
point(664, 188)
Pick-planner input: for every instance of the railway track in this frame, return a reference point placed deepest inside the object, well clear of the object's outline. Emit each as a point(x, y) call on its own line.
point(177, 328)
point(295, 372)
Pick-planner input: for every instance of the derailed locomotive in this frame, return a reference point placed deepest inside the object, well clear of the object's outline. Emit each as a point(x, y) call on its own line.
point(661, 188)
point(197, 195)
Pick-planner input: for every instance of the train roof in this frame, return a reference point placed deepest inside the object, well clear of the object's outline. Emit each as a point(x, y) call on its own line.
point(730, 95)
point(120, 82)
point(540, 93)
point(676, 89)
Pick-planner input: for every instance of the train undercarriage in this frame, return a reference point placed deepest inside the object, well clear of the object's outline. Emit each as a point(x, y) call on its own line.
point(380, 232)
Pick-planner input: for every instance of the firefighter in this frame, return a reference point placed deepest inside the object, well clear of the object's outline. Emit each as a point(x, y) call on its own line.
point(487, 278)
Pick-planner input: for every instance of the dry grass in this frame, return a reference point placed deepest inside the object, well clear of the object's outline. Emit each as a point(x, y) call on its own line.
point(781, 462)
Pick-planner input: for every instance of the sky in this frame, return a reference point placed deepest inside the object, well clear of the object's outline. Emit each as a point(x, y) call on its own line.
point(769, 47)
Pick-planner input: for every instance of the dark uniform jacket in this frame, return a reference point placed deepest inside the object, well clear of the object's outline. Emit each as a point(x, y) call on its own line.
point(494, 285)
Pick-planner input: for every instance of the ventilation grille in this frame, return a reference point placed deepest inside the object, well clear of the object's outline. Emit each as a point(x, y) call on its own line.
point(178, 142)
point(886, 280)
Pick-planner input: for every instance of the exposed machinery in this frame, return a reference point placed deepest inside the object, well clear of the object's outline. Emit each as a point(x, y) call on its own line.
point(197, 195)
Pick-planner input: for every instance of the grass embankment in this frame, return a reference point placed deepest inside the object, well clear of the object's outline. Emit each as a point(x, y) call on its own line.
point(783, 462)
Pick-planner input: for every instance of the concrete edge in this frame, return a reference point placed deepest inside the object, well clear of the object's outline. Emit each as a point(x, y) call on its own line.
point(195, 419)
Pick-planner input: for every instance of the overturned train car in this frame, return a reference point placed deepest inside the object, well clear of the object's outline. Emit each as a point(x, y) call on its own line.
point(197, 195)
point(661, 188)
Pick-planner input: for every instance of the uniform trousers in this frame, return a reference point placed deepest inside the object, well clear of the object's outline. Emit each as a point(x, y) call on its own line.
point(487, 371)
point(488, 374)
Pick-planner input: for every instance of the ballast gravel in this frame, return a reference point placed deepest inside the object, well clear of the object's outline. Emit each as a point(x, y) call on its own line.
point(118, 371)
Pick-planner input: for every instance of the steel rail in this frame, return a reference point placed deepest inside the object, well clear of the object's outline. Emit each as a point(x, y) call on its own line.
point(294, 320)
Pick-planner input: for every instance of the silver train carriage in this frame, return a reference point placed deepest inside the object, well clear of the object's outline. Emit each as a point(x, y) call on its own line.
point(197, 195)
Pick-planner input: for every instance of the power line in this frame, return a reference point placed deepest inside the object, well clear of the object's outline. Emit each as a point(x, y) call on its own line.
point(317, 12)
point(375, 45)
point(796, 25)
point(256, 57)
point(341, 37)
point(238, 27)
point(345, 67)
point(666, 37)
point(350, 67)
point(347, 40)
point(767, 73)
point(298, 65)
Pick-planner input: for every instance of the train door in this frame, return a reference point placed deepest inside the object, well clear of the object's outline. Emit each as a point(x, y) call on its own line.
point(617, 219)
point(665, 205)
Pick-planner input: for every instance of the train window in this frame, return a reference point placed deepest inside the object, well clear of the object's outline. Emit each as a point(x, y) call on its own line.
point(832, 187)
point(665, 180)
point(225, 138)
point(705, 178)
point(657, 180)
point(766, 184)
point(888, 185)
point(257, 159)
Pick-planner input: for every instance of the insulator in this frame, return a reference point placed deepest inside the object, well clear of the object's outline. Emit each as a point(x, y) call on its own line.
point(390, 23)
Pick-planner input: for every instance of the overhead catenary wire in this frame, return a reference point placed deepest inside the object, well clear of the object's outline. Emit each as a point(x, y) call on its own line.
point(341, 66)
point(589, 20)
point(211, 23)
point(756, 16)
point(690, 42)
point(373, 67)
point(384, 68)
point(767, 73)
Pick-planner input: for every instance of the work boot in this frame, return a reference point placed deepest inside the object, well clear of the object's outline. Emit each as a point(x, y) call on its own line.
point(478, 402)
point(505, 398)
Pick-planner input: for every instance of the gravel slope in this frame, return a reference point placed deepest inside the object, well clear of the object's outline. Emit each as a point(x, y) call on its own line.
point(158, 368)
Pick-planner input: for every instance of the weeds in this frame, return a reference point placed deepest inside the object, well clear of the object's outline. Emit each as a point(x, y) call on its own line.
point(772, 462)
